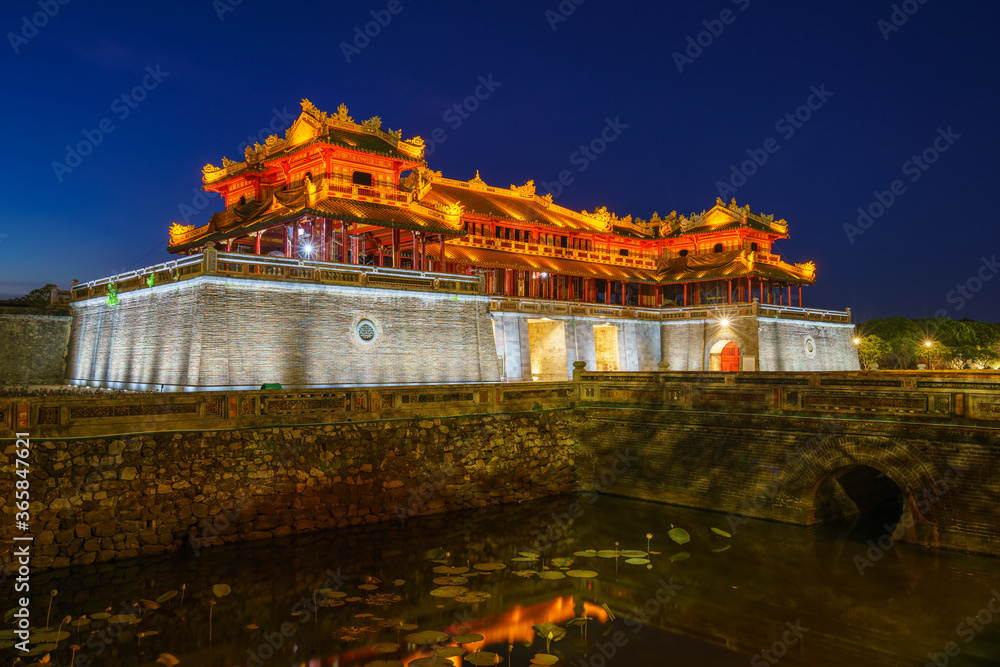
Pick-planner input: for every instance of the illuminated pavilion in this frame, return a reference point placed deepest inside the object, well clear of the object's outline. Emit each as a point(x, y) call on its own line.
point(338, 191)
point(341, 258)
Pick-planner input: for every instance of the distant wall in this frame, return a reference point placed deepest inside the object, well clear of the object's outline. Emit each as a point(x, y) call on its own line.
point(216, 332)
point(33, 344)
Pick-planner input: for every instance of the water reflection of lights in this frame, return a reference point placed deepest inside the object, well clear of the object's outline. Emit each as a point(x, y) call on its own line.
point(510, 627)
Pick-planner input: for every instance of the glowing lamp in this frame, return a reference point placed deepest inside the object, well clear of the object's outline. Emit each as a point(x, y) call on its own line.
point(724, 322)
point(927, 343)
point(857, 341)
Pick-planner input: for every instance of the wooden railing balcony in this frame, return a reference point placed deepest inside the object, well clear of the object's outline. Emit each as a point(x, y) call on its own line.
point(634, 259)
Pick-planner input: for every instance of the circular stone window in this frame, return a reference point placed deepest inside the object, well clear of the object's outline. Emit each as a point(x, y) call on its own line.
point(810, 345)
point(366, 331)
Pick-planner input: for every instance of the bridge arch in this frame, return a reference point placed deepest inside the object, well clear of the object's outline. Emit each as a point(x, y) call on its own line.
point(863, 460)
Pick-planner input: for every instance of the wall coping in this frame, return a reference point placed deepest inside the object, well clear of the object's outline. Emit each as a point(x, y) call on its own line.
point(951, 398)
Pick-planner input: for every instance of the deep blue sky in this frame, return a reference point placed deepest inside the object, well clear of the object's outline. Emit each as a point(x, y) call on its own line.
point(557, 87)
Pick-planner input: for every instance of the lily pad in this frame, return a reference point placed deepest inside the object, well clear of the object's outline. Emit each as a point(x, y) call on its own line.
point(384, 663)
point(719, 531)
point(432, 661)
point(221, 590)
point(449, 651)
point(473, 597)
point(544, 629)
point(589, 553)
point(386, 647)
point(451, 581)
point(581, 574)
point(368, 587)
point(482, 658)
point(676, 558)
point(434, 554)
point(721, 549)
point(169, 595)
point(448, 569)
point(427, 637)
point(544, 659)
point(637, 561)
point(609, 553)
point(633, 553)
point(469, 638)
point(42, 648)
point(551, 574)
point(489, 567)
point(529, 554)
point(562, 562)
point(449, 591)
point(679, 535)
point(167, 659)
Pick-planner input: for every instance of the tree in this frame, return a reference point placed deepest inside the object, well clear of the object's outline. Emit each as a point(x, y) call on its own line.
point(39, 298)
point(871, 349)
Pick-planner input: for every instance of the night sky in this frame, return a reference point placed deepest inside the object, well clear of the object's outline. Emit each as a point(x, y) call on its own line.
point(218, 72)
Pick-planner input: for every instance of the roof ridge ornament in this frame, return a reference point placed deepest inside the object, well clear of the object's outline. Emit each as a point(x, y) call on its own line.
point(526, 190)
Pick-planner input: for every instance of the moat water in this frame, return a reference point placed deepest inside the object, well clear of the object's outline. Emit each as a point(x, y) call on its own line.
point(806, 597)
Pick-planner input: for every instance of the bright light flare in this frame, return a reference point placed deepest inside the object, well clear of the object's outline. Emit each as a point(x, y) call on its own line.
point(724, 322)
point(307, 249)
point(857, 341)
point(928, 343)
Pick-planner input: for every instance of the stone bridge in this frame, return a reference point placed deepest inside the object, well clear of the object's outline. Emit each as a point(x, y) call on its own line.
point(915, 450)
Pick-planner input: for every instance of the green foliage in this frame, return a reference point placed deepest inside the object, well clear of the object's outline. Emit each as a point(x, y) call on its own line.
point(871, 350)
point(38, 298)
point(151, 280)
point(112, 295)
point(537, 407)
point(961, 344)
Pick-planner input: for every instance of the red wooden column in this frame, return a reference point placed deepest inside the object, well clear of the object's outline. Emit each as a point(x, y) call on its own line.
point(729, 283)
point(789, 295)
point(800, 296)
point(256, 244)
point(423, 253)
point(441, 251)
point(686, 294)
point(395, 248)
point(288, 241)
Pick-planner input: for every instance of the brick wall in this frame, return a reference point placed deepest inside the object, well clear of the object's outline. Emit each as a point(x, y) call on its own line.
point(99, 499)
point(771, 467)
point(33, 343)
point(210, 332)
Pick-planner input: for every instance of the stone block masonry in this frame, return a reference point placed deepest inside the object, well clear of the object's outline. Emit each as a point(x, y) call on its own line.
point(214, 332)
point(33, 345)
point(108, 498)
point(772, 467)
